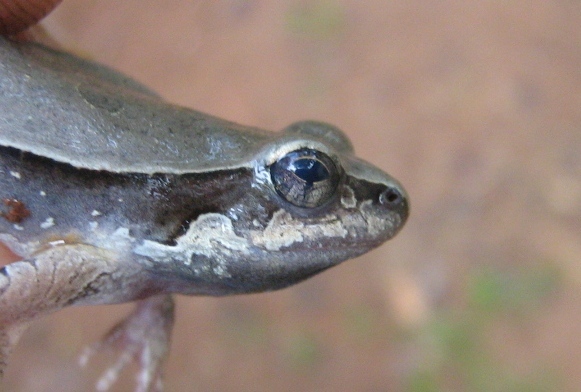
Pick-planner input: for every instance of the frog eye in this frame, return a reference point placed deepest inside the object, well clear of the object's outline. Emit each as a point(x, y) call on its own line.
point(305, 178)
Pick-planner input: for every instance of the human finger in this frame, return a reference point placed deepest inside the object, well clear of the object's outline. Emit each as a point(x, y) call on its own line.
point(18, 15)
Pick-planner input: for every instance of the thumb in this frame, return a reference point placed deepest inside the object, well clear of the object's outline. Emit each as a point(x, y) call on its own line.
point(18, 15)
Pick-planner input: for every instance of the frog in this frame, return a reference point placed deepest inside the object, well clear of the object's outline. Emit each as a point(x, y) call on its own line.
point(109, 194)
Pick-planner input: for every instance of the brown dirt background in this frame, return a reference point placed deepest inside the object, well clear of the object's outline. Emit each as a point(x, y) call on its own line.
point(474, 105)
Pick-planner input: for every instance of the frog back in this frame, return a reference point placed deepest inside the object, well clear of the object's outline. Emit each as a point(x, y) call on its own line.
point(74, 111)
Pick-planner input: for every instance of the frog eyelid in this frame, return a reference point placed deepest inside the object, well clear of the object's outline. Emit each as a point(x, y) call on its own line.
point(276, 151)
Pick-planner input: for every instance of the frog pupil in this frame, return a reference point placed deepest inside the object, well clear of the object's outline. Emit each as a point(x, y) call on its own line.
point(310, 170)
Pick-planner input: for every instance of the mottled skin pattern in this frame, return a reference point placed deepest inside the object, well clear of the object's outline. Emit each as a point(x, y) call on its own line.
point(112, 195)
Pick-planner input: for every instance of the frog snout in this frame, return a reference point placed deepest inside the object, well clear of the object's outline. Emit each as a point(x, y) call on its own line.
point(395, 198)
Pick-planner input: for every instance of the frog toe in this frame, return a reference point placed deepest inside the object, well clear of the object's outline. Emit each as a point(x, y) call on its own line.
point(142, 337)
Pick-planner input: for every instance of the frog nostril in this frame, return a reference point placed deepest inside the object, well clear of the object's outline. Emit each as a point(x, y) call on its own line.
point(390, 196)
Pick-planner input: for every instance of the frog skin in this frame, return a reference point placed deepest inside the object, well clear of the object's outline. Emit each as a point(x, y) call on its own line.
point(112, 195)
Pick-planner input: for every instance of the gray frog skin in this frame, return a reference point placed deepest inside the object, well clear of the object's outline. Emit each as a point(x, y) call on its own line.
point(111, 195)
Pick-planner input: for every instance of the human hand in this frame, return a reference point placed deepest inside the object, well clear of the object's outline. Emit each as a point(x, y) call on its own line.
point(18, 15)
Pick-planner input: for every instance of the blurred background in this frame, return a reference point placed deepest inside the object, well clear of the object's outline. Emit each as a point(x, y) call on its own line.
point(475, 106)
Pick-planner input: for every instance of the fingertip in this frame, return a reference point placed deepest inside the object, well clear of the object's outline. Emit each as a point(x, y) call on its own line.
point(18, 15)
point(6, 256)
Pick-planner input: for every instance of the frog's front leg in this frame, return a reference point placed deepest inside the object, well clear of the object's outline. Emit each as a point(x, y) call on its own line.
point(142, 337)
point(80, 275)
